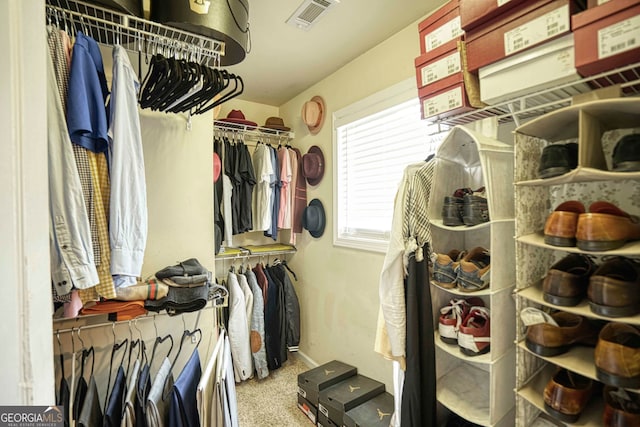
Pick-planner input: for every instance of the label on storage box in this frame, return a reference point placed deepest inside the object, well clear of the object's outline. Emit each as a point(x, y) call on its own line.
point(302, 392)
point(537, 30)
point(442, 68)
point(324, 410)
point(443, 34)
point(446, 101)
point(307, 411)
point(618, 38)
point(503, 2)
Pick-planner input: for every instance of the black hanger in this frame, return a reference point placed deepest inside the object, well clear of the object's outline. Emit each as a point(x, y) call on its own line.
point(158, 341)
point(186, 334)
point(226, 97)
point(114, 350)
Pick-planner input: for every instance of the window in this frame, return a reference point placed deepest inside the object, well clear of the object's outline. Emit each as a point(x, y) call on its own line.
point(374, 140)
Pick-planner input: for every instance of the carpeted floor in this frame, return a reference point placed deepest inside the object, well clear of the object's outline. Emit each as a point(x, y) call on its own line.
point(273, 400)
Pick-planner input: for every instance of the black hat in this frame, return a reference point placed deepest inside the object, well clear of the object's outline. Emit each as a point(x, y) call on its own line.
point(313, 218)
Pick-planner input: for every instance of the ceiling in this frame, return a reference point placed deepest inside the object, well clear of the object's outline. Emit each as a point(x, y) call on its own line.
point(284, 61)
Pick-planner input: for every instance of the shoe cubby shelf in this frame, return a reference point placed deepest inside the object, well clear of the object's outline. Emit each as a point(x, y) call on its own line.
point(534, 294)
point(469, 391)
point(532, 394)
point(596, 126)
point(467, 159)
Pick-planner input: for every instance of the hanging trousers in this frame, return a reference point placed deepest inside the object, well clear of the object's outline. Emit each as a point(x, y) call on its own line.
point(419, 392)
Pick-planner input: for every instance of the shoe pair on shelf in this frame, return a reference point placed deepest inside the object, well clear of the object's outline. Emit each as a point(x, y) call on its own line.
point(612, 289)
point(466, 322)
point(465, 207)
point(469, 271)
point(604, 227)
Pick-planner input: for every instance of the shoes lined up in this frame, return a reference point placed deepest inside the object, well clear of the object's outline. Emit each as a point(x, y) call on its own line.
point(468, 271)
point(466, 323)
point(612, 289)
point(604, 227)
point(465, 207)
point(616, 359)
point(558, 159)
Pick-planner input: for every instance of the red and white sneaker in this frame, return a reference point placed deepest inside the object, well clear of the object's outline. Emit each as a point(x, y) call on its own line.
point(452, 315)
point(474, 336)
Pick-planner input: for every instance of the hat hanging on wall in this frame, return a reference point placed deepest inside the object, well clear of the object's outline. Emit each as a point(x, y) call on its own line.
point(313, 218)
point(313, 113)
point(237, 117)
point(313, 165)
point(276, 123)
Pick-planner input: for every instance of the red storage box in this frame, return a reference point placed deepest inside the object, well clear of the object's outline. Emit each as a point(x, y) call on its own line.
point(440, 31)
point(523, 28)
point(476, 12)
point(446, 68)
point(594, 3)
point(444, 103)
point(607, 36)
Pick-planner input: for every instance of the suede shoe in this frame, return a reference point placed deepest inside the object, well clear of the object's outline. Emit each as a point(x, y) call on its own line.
point(474, 336)
point(614, 288)
point(474, 270)
point(606, 227)
point(626, 154)
point(560, 227)
point(567, 394)
point(617, 355)
point(444, 266)
point(554, 334)
point(567, 280)
point(452, 207)
point(475, 209)
point(558, 159)
point(452, 315)
point(621, 408)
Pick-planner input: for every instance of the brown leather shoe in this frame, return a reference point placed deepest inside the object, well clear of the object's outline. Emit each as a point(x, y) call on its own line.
point(561, 225)
point(617, 355)
point(606, 227)
point(567, 280)
point(567, 394)
point(621, 408)
point(546, 339)
point(614, 288)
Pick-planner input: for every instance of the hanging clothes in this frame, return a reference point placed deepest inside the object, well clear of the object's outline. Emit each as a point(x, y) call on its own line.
point(284, 210)
point(291, 307)
point(207, 408)
point(256, 336)
point(293, 158)
point(64, 394)
point(275, 195)
point(128, 197)
point(248, 298)
point(273, 323)
point(131, 397)
point(263, 169)
point(228, 389)
point(248, 181)
point(91, 413)
point(300, 197)
point(158, 401)
point(238, 330)
point(183, 411)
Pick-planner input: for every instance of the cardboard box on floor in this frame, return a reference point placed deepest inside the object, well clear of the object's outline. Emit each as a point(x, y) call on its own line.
point(336, 400)
point(375, 412)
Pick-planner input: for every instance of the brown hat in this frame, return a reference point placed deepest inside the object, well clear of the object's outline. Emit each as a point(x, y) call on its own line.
point(313, 165)
point(276, 123)
point(313, 113)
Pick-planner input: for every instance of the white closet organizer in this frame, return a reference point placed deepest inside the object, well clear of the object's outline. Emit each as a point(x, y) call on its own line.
point(478, 388)
point(252, 132)
point(535, 199)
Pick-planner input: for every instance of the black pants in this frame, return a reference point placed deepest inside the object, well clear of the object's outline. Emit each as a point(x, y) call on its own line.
point(419, 392)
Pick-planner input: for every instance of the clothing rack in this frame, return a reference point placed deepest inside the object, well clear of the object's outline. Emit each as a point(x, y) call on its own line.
point(222, 128)
point(134, 34)
point(244, 254)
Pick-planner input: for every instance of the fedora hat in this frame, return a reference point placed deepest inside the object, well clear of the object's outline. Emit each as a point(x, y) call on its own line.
point(237, 117)
point(313, 113)
point(313, 218)
point(313, 165)
point(276, 123)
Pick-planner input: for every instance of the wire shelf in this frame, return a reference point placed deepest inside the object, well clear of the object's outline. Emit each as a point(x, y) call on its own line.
point(545, 101)
point(222, 127)
point(135, 34)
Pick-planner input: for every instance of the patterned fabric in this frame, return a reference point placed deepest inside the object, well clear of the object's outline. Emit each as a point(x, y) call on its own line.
point(416, 216)
point(100, 174)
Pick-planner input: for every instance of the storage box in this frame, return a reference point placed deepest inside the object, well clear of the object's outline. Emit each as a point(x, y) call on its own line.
point(594, 3)
point(476, 12)
point(445, 69)
point(522, 28)
point(375, 412)
point(547, 65)
point(607, 36)
point(310, 383)
point(340, 398)
point(324, 421)
point(308, 409)
point(444, 103)
point(440, 31)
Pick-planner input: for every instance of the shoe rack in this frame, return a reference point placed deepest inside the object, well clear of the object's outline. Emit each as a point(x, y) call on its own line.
point(467, 159)
point(590, 125)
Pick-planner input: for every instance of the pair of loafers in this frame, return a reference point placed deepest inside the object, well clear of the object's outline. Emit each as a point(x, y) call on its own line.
point(604, 227)
point(612, 289)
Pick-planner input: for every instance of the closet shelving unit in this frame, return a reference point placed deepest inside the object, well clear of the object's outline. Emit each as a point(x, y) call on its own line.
point(243, 253)
point(535, 198)
point(251, 132)
point(469, 159)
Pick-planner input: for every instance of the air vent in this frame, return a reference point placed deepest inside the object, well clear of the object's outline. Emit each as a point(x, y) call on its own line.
point(309, 12)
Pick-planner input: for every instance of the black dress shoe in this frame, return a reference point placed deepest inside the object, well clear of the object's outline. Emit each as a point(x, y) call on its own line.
point(558, 159)
point(626, 154)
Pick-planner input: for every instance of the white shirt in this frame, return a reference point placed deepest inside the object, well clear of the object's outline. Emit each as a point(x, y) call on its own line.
point(239, 330)
point(128, 203)
point(263, 169)
point(227, 189)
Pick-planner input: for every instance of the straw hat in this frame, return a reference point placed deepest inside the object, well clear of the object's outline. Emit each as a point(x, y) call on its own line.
point(313, 113)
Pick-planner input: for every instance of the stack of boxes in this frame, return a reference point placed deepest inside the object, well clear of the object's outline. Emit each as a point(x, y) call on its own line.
point(334, 394)
point(517, 47)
